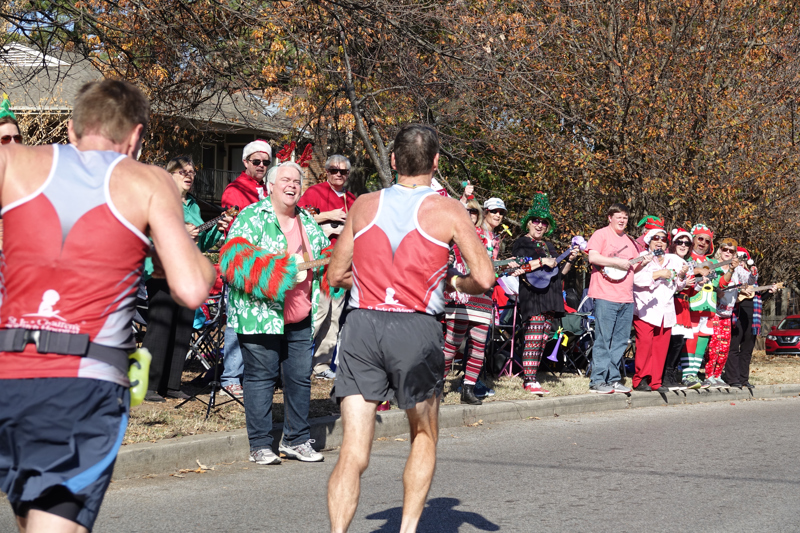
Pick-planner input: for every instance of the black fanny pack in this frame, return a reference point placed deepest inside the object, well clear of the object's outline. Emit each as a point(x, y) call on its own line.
point(52, 342)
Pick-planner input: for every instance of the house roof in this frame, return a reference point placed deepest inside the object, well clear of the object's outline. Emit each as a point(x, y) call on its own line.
point(39, 82)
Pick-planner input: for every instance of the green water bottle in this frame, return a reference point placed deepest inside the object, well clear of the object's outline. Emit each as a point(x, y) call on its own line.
point(138, 374)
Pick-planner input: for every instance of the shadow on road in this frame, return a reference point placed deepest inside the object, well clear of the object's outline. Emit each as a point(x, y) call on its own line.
point(439, 516)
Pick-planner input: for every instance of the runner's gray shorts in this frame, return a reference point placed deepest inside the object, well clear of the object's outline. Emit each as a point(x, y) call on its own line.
point(384, 355)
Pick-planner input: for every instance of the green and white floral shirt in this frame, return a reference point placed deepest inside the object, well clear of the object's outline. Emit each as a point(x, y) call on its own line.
point(259, 225)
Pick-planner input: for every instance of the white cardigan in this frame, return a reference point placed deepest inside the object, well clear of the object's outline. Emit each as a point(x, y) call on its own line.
point(653, 298)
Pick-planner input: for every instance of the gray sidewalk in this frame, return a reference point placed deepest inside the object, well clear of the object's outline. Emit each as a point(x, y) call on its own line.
point(170, 455)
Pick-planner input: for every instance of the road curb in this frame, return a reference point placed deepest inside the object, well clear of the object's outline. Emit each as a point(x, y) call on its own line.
point(142, 459)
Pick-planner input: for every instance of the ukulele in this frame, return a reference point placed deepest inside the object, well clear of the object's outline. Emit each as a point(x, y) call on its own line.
point(232, 211)
point(746, 292)
point(502, 265)
point(616, 274)
point(303, 266)
point(328, 228)
point(540, 278)
point(704, 268)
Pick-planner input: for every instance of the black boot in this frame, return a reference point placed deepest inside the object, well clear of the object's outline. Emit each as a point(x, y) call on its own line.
point(468, 395)
point(669, 378)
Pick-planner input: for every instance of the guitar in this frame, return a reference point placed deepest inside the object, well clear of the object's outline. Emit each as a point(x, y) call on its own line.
point(328, 228)
point(303, 266)
point(616, 274)
point(232, 211)
point(540, 278)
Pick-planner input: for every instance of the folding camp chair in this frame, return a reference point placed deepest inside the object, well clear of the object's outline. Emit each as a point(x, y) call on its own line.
point(207, 347)
point(506, 332)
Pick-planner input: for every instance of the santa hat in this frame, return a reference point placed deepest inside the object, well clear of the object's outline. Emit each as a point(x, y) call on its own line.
point(680, 232)
point(652, 233)
point(651, 222)
point(256, 146)
point(702, 229)
point(741, 251)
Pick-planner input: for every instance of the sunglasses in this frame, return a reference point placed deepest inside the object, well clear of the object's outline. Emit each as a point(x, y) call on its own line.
point(185, 173)
point(727, 250)
point(6, 139)
point(538, 221)
point(334, 171)
point(660, 238)
point(259, 162)
point(683, 243)
point(496, 211)
point(473, 212)
point(703, 239)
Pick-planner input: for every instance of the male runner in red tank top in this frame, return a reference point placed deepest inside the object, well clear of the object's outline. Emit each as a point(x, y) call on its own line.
point(393, 254)
point(75, 224)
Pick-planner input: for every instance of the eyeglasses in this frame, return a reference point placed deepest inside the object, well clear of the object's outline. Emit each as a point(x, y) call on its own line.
point(660, 238)
point(6, 139)
point(496, 211)
point(703, 239)
point(334, 171)
point(683, 243)
point(259, 162)
point(538, 221)
point(727, 250)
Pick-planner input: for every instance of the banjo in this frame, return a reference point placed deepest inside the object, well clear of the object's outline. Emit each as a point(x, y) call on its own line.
point(617, 274)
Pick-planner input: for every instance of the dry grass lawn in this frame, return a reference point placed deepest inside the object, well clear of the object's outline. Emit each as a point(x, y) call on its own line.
point(153, 421)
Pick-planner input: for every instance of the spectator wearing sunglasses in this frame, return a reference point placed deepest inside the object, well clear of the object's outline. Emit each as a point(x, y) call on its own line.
point(692, 358)
point(654, 312)
point(682, 330)
point(9, 127)
point(333, 203)
point(729, 275)
point(248, 188)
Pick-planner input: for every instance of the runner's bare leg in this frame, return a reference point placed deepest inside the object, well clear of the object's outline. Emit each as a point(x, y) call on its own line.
point(344, 486)
point(40, 521)
point(423, 420)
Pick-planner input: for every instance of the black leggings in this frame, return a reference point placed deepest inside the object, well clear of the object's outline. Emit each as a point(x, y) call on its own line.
point(57, 501)
point(676, 343)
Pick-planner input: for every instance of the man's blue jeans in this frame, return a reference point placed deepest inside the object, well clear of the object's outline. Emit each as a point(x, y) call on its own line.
point(612, 329)
point(232, 364)
point(264, 357)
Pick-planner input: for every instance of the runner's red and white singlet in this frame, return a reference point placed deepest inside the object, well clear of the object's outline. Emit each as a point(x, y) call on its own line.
point(396, 265)
point(72, 264)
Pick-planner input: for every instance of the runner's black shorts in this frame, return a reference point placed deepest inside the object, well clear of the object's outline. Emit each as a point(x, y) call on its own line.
point(384, 354)
point(59, 439)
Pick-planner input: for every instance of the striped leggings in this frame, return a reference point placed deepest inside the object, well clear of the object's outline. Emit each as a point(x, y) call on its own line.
point(535, 339)
point(476, 347)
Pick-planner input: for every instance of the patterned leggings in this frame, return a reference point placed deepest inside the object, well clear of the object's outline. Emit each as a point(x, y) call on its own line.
point(456, 329)
point(718, 347)
point(692, 358)
point(535, 338)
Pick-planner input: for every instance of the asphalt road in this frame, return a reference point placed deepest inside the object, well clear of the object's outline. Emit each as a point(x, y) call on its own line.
point(704, 467)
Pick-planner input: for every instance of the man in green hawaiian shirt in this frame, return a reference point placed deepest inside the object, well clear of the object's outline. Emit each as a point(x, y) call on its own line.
point(275, 333)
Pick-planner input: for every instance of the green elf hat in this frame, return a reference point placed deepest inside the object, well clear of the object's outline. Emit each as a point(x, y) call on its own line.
point(651, 222)
point(540, 208)
point(5, 110)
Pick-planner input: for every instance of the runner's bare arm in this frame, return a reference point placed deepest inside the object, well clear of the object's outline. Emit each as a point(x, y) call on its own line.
point(481, 276)
point(189, 274)
point(340, 274)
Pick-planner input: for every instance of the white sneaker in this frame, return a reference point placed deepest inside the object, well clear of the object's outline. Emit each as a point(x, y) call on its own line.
point(301, 452)
point(264, 456)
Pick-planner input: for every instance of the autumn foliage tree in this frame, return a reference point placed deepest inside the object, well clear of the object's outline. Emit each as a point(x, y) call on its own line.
point(684, 109)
